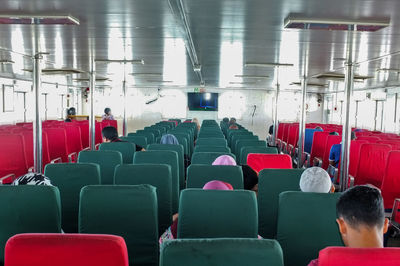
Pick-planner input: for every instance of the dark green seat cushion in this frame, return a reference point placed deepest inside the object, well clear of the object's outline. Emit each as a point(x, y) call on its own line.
point(28, 209)
point(156, 175)
point(232, 133)
point(127, 211)
point(255, 149)
point(271, 182)
point(208, 157)
point(245, 142)
point(217, 213)
point(139, 140)
point(207, 148)
point(149, 136)
point(127, 149)
point(211, 142)
point(107, 160)
point(237, 138)
point(198, 175)
point(70, 179)
point(306, 225)
point(221, 252)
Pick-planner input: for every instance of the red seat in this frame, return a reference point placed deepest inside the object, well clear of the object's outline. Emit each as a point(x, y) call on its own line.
point(318, 145)
point(28, 144)
point(259, 162)
point(330, 141)
point(84, 126)
point(293, 138)
point(369, 138)
point(74, 140)
point(395, 144)
point(98, 136)
point(12, 158)
point(355, 147)
point(372, 164)
point(57, 140)
point(66, 250)
point(343, 256)
point(391, 181)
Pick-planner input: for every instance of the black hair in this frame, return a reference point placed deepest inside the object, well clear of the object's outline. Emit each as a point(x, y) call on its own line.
point(250, 177)
point(361, 205)
point(353, 135)
point(71, 111)
point(318, 128)
point(271, 129)
point(225, 120)
point(107, 110)
point(110, 133)
point(334, 133)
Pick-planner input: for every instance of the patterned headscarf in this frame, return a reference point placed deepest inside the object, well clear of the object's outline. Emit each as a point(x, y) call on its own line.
point(35, 179)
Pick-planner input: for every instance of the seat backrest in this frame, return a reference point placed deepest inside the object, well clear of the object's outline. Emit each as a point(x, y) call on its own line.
point(206, 148)
point(244, 143)
point(84, 126)
point(259, 162)
point(355, 148)
point(127, 149)
point(330, 141)
point(391, 183)
point(370, 139)
point(281, 129)
point(149, 136)
point(285, 135)
point(345, 256)
point(237, 138)
point(308, 138)
point(155, 131)
point(372, 164)
point(139, 140)
point(183, 139)
point(271, 182)
point(12, 155)
point(28, 209)
point(199, 175)
point(74, 139)
point(179, 150)
point(28, 144)
point(107, 160)
point(66, 250)
point(245, 151)
point(98, 136)
point(318, 145)
point(57, 140)
point(306, 224)
point(163, 157)
point(211, 142)
point(235, 132)
point(114, 210)
point(156, 175)
point(217, 213)
point(293, 134)
point(221, 252)
point(70, 179)
point(208, 157)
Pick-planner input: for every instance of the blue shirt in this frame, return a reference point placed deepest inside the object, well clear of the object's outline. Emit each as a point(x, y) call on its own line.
point(334, 154)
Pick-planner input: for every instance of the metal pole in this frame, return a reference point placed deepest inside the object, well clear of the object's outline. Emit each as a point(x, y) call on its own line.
point(37, 122)
point(356, 116)
point(92, 121)
point(125, 119)
point(24, 93)
point(276, 123)
point(376, 115)
point(346, 134)
point(302, 122)
point(383, 117)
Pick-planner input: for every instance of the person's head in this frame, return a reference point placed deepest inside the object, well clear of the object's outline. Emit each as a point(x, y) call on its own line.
point(316, 179)
point(169, 139)
point(353, 135)
point(361, 217)
point(224, 160)
point(71, 111)
point(68, 120)
point(217, 185)
point(195, 120)
point(225, 120)
point(33, 179)
point(271, 129)
point(107, 111)
point(233, 126)
point(232, 121)
point(334, 133)
point(250, 178)
point(109, 134)
point(318, 128)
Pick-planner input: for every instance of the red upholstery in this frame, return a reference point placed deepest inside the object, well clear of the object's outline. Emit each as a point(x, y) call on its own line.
point(98, 136)
point(293, 137)
point(65, 250)
point(12, 157)
point(318, 145)
point(342, 256)
point(355, 147)
point(57, 143)
point(28, 144)
point(74, 140)
point(372, 164)
point(285, 135)
point(84, 125)
point(259, 162)
point(391, 181)
point(330, 141)
point(369, 138)
point(395, 144)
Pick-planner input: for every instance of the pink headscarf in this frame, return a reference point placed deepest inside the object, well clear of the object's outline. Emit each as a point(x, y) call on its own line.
point(224, 160)
point(217, 185)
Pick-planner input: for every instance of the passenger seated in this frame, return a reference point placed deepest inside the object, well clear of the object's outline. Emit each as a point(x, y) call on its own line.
point(224, 160)
point(225, 120)
point(196, 121)
point(361, 218)
point(232, 121)
point(110, 134)
point(169, 139)
point(33, 179)
point(107, 114)
point(319, 128)
point(334, 133)
point(334, 154)
point(316, 179)
point(250, 179)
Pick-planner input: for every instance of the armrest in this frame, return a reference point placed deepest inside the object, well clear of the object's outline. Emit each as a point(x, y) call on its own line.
point(97, 146)
point(333, 172)
point(56, 160)
point(307, 159)
point(31, 169)
point(72, 157)
point(4, 178)
point(86, 149)
point(351, 181)
point(317, 162)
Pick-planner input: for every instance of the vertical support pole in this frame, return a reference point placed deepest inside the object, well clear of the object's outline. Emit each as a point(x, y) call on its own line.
point(376, 115)
point(356, 116)
point(302, 122)
point(276, 123)
point(37, 122)
point(383, 116)
point(125, 118)
point(346, 134)
point(24, 93)
point(92, 121)
point(62, 106)
point(396, 119)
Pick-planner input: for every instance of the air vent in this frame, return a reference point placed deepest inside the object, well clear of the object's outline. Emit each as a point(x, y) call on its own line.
point(38, 19)
point(339, 76)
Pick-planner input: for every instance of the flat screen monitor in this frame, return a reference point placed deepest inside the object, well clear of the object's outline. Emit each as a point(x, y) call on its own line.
point(203, 101)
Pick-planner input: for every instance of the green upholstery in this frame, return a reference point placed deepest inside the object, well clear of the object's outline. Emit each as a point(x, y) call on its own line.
point(180, 135)
point(234, 132)
point(237, 138)
point(149, 136)
point(163, 157)
point(204, 148)
point(271, 182)
point(221, 252)
point(139, 140)
point(208, 157)
point(127, 149)
point(127, 211)
point(179, 150)
point(156, 175)
point(28, 209)
point(306, 225)
point(217, 213)
point(211, 142)
point(162, 129)
point(247, 143)
point(107, 160)
point(155, 131)
point(70, 179)
point(211, 135)
point(244, 151)
point(198, 175)
point(183, 140)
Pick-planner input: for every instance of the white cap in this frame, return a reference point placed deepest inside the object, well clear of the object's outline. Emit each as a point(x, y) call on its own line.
point(315, 179)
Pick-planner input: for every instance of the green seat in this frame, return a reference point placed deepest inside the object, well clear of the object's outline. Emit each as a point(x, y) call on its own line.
point(149, 135)
point(244, 151)
point(184, 141)
point(139, 140)
point(271, 182)
point(211, 135)
point(28, 209)
point(221, 252)
point(246, 142)
point(127, 149)
point(155, 131)
point(208, 157)
point(70, 179)
point(163, 157)
point(156, 175)
point(163, 130)
point(198, 175)
point(237, 138)
point(211, 142)
point(179, 150)
point(217, 213)
point(232, 132)
point(107, 160)
point(306, 225)
point(204, 148)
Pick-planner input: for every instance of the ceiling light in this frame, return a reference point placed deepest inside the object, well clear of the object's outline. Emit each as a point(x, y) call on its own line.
point(251, 76)
point(38, 19)
point(254, 64)
point(133, 61)
point(146, 74)
point(336, 76)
